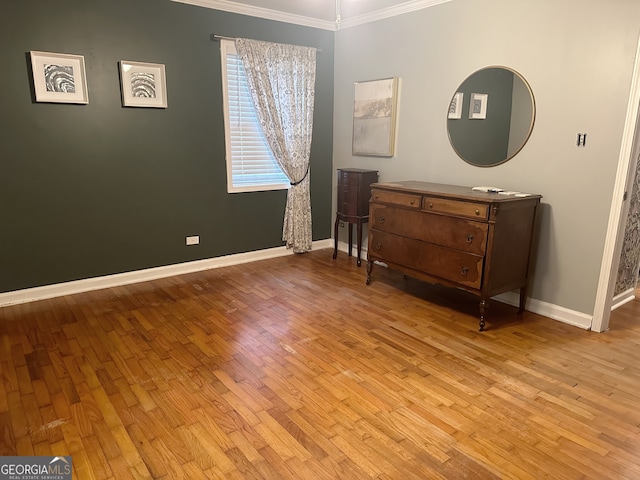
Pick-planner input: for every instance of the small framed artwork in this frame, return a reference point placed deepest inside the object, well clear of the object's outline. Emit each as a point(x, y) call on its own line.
point(455, 107)
point(374, 117)
point(143, 84)
point(478, 106)
point(59, 77)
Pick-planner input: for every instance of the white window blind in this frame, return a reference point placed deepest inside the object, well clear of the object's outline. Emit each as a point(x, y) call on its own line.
point(250, 163)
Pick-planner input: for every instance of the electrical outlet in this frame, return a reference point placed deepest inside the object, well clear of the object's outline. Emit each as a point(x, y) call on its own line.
point(194, 240)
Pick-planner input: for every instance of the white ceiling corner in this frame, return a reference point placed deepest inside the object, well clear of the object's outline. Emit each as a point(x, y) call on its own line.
point(318, 13)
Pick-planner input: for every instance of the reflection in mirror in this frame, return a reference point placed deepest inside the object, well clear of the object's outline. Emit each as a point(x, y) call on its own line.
point(490, 128)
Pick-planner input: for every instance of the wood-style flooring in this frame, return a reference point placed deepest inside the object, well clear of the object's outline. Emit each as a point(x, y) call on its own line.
point(293, 368)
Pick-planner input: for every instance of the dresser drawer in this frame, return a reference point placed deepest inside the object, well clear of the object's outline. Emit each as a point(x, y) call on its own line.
point(479, 211)
point(446, 263)
point(396, 198)
point(452, 232)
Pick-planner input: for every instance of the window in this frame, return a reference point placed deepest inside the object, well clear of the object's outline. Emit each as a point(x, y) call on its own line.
point(250, 163)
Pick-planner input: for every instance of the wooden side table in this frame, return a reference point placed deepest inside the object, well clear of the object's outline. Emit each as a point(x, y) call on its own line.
point(354, 192)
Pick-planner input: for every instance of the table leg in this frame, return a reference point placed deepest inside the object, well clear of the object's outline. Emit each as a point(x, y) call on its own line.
point(359, 240)
point(335, 236)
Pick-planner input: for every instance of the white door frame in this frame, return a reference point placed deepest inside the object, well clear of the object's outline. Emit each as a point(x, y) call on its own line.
point(617, 215)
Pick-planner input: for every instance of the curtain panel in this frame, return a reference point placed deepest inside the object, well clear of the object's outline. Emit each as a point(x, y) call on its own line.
point(281, 79)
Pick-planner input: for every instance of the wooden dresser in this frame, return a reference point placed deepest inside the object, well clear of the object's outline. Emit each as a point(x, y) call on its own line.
point(452, 235)
point(354, 192)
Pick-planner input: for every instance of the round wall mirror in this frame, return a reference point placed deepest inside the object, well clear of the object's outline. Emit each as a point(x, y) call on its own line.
point(491, 116)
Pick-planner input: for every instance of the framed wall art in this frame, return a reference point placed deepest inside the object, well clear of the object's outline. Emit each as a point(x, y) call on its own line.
point(455, 107)
point(478, 106)
point(143, 84)
point(374, 117)
point(59, 77)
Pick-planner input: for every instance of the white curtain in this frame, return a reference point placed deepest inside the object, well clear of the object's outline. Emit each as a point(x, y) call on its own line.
point(282, 83)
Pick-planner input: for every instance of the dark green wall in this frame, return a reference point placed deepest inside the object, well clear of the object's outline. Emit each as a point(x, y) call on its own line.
point(98, 189)
point(484, 142)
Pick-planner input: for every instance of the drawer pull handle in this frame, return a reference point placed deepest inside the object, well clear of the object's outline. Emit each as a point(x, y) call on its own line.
point(381, 220)
point(412, 202)
point(377, 197)
point(477, 212)
point(431, 205)
point(378, 246)
point(464, 271)
point(469, 238)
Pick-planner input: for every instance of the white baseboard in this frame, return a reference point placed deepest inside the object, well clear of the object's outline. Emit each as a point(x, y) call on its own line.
point(556, 312)
point(344, 247)
point(79, 286)
point(622, 298)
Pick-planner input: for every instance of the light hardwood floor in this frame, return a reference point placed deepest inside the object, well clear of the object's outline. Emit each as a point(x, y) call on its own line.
point(293, 368)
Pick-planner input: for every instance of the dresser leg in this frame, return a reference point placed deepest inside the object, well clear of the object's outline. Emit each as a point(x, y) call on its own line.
point(523, 296)
point(369, 268)
point(484, 305)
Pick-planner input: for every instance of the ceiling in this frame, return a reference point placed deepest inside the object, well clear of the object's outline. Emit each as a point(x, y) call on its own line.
point(318, 13)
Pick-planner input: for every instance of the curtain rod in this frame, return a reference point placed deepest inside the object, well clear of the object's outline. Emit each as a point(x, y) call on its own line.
point(215, 37)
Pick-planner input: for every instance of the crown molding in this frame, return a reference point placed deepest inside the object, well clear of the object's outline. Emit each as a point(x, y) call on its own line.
point(406, 7)
point(253, 11)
